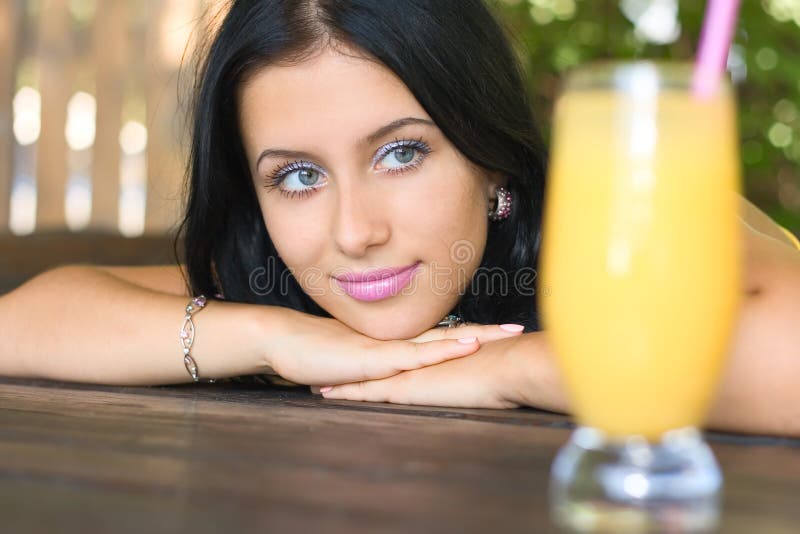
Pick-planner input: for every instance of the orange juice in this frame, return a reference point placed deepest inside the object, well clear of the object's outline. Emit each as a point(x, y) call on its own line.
point(641, 267)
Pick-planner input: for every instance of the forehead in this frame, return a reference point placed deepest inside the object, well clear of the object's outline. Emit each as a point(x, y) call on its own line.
point(329, 94)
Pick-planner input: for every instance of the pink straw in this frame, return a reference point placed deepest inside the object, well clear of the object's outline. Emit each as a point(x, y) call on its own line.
point(715, 42)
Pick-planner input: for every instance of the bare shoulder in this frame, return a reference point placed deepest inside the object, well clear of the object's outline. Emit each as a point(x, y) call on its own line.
point(771, 258)
point(758, 225)
point(162, 278)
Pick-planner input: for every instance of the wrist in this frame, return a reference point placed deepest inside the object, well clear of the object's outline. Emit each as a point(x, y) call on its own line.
point(533, 375)
point(268, 324)
point(232, 339)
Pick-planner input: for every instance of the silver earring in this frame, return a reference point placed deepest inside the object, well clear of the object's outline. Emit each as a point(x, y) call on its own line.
point(502, 208)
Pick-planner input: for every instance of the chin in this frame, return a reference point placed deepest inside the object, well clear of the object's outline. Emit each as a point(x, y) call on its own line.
point(405, 328)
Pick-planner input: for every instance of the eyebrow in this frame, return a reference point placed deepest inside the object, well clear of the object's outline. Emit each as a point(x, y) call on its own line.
point(369, 139)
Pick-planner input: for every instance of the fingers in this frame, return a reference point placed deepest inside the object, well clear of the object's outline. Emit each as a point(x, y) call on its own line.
point(452, 343)
point(407, 356)
point(387, 390)
point(388, 358)
point(398, 390)
point(484, 333)
point(374, 360)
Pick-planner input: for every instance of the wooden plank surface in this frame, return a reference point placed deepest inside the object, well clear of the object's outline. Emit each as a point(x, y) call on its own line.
point(248, 458)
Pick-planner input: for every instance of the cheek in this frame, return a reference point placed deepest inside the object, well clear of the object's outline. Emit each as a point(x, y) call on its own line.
point(297, 238)
point(451, 213)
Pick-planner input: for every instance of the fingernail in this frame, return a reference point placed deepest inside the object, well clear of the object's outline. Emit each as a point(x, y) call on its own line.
point(467, 340)
point(325, 389)
point(510, 327)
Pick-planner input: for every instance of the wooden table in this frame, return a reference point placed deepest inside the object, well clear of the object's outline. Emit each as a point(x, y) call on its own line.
point(246, 458)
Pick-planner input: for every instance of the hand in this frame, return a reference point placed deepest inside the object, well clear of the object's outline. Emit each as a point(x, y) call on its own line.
point(317, 351)
point(484, 333)
point(488, 378)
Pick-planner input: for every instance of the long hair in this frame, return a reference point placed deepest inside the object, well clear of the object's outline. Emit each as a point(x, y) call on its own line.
point(457, 62)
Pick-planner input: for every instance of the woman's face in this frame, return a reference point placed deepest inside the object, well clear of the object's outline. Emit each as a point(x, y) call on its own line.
point(354, 179)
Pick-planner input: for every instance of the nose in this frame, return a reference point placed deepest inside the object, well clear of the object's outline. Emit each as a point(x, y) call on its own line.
point(361, 221)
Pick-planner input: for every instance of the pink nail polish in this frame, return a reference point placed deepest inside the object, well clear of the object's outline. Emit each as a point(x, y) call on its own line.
point(325, 389)
point(467, 340)
point(510, 327)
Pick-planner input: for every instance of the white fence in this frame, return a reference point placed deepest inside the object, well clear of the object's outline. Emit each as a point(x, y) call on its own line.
point(92, 129)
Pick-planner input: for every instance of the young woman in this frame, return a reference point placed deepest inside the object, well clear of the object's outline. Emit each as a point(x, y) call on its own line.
point(358, 176)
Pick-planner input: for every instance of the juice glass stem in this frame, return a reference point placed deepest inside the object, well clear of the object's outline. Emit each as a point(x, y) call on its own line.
point(635, 485)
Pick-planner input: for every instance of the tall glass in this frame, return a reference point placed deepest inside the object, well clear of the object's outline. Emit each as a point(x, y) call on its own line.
point(641, 264)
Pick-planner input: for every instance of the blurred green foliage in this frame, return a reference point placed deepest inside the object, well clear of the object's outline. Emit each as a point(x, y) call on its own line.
point(555, 35)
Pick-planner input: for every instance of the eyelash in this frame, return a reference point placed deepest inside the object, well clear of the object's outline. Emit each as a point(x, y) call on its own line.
point(417, 144)
point(277, 176)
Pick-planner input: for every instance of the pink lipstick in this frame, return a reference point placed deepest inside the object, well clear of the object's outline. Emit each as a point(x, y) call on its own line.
point(377, 284)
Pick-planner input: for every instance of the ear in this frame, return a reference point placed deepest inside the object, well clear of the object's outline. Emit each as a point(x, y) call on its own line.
point(494, 180)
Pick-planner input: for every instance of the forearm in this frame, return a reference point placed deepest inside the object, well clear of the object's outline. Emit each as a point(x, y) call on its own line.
point(759, 388)
point(758, 391)
point(533, 374)
point(82, 324)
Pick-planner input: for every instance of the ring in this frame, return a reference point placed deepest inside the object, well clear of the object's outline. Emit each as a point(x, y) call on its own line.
point(451, 321)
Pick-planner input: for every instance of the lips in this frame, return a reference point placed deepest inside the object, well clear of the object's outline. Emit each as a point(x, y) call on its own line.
point(377, 284)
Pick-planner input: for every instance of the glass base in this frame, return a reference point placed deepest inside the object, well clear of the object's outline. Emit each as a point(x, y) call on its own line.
point(635, 485)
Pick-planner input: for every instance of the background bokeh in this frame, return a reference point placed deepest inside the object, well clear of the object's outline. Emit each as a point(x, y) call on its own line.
point(764, 63)
point(92, 130)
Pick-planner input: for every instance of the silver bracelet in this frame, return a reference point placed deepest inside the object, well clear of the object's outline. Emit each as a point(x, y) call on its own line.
point(187, 335)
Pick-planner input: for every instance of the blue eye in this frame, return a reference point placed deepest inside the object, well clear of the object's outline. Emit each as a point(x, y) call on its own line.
point(297, 178)
point(401, 155)
point(304, 177)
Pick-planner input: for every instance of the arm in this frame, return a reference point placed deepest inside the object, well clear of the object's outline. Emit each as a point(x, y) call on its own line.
point(119, 325)
point(758, 392)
